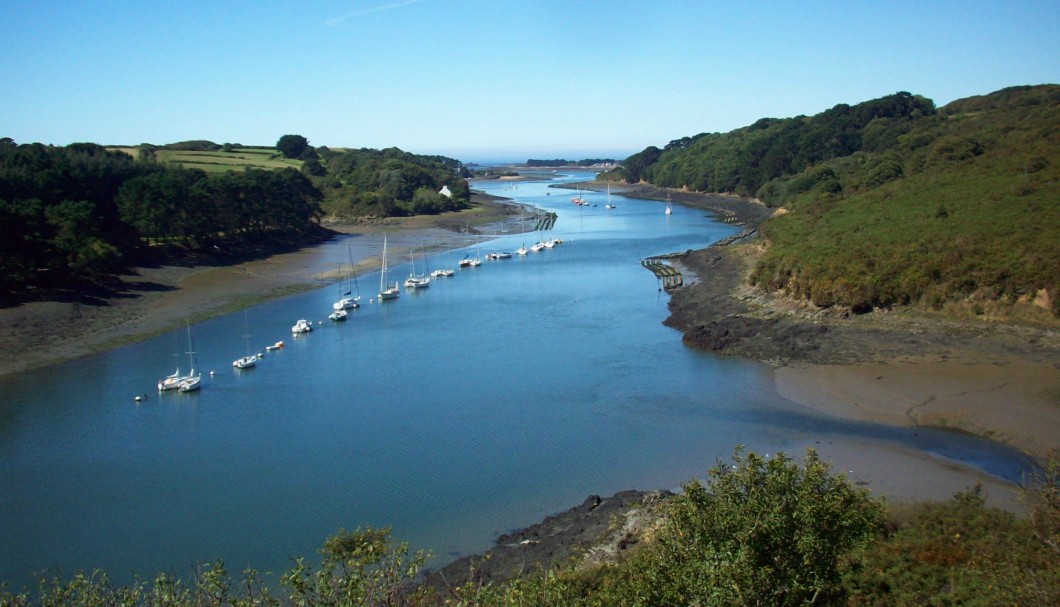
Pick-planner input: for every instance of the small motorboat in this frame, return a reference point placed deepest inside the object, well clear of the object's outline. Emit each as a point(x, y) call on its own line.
point(276, 346)
point(302, 326)
point(338, 315)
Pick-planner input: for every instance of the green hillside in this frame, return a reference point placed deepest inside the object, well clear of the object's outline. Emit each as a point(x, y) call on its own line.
point(212, 157)
point(892, 202)
point(79, 215)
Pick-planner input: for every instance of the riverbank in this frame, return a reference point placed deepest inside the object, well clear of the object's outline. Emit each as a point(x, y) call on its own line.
point(156, 300)
point(901, 367)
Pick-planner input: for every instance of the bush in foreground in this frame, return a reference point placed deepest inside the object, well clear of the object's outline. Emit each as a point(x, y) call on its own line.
point(758, 531)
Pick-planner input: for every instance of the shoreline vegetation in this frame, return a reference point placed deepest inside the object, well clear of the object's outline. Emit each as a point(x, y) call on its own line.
point(902, 368)
point(905, 277)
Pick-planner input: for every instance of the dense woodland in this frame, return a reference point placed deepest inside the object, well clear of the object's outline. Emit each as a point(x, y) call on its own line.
point(894, 201)
point(75, 216)
point(388, 183)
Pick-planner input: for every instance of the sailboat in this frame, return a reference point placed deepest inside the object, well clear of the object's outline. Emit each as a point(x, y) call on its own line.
point(249, 360)
point(171, 382)
point(346, 300)
point(194, 379)
point(669, 207)
point(386, 291)
point(609, 205)
point(416, 281)
point(439, 273)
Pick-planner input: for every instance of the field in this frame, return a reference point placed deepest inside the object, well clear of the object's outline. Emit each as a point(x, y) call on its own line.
point(219, 161)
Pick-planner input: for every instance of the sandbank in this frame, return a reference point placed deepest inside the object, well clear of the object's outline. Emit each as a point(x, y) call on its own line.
point(1017, 404)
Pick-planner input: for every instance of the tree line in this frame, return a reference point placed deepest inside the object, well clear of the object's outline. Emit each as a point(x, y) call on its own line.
point(743, 160)
point(388, 182)
point(893, 201)
point(76, 214)
point(560, 162)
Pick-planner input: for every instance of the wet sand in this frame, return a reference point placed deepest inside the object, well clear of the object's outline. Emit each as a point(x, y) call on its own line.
point(1017, 404)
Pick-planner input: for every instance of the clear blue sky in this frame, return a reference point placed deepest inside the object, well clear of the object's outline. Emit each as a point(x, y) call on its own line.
point(490, 79)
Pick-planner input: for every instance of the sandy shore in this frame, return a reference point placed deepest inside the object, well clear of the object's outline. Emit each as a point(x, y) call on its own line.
point(157, 300)
point(1017, 404)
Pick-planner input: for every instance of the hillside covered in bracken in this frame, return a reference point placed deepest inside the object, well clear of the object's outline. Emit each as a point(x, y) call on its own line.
point(894, 202)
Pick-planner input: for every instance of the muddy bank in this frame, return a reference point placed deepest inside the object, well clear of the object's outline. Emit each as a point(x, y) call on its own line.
point(154, 300)
point(903, 366)
point(597, 529)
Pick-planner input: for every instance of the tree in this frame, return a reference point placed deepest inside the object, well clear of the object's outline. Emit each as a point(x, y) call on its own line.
point(763, 531)
point(292, 146)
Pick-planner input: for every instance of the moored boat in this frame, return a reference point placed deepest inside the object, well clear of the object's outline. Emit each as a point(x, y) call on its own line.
point(386, 290)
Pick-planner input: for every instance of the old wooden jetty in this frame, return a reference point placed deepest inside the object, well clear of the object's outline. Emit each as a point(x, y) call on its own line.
point(671, 276)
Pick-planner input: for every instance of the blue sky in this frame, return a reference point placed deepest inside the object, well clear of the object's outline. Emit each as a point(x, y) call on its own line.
point(488, 80)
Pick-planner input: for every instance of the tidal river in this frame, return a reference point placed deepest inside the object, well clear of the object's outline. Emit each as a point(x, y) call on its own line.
point(484, 403)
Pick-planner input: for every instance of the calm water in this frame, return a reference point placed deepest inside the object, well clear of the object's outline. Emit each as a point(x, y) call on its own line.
point(482, 404)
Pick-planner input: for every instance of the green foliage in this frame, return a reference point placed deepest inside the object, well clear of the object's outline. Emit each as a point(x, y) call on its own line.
point(962, 207)
point(744, 160)
point(391, 182)
point(74, 215)
point(957, 553)
point(292, 146)
point(559, 162)
point(195, 145)
point(762, 532)
point(362, 567)
point(358, 568)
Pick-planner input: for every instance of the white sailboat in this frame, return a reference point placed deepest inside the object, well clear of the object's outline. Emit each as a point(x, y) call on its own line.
point(416, 281)
point(609, 205)
point(194, 379)
point(249, 360)
point(669, 207)
point(171, 382)
point(438, 273)
point(347, 300)
point(386, 291)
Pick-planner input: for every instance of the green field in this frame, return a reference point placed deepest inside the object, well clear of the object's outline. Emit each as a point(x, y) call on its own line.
point(219, 161)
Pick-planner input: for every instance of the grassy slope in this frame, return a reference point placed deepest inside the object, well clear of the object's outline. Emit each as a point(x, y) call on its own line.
point(219, 162)
point(975, 220)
